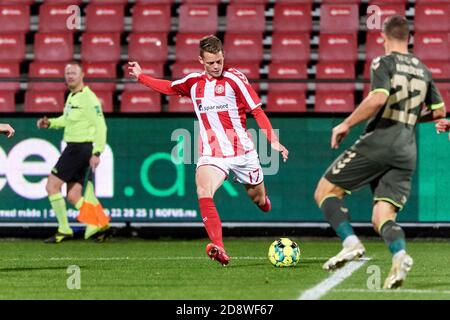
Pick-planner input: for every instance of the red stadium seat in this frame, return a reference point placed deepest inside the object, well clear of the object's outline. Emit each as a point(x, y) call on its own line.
point(26, 2)
point(7, 101)
point(151, 18)
point(140, 101)
point(339, 18)
point(182, 69)
point(47, 70)
point(106, 99)
point(440, 70)
point(292, 17)
point(75, 2)
point(334, 102)
point(100, 70)
point(195, 18)
point(9, 70)
point(104, 17)
point(251, 71)
point(53, 46)
point(374, 45)
point(296, 1)
point(153, 1)
point(287, 70)
point(341, 1)
point(152, 69)
point(15, 18)
point(338, 47)
point(54, 18)
point(290, 47)
point(109, 1)
point(432, 46)
point(44, 101)
point(428, 1)
point(286, 101)
point(245, 18)
point(147, 47)
point(389, 1)
point(432, 17)
point(100, 47)
point(180, 104)
point(335, 70)
point(201, 1)
point(243, 47)
point(12, 47)
point(249, 1)
point(186, 46)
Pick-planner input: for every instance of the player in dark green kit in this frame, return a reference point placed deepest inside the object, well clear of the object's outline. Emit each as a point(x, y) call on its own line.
point(384, 157)
point(85, 133)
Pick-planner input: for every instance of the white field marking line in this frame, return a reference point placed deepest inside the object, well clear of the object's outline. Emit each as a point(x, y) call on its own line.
point(332, 281)
point(393, 291)
point(142, 258)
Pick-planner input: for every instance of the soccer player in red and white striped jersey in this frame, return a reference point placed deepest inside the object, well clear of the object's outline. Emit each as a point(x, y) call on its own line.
point(221, 96)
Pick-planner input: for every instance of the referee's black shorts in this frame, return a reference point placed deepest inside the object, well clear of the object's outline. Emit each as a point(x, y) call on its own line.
point(73, 164)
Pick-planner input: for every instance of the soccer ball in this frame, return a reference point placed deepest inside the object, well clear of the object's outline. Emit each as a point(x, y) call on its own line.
point(284, 253)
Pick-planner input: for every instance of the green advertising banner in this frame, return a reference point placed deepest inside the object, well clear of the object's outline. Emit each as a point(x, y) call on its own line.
point(147, 173)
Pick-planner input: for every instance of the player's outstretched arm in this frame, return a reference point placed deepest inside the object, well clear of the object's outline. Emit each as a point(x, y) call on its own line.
point(7, 130)
point(160, 85)
point(266, 126)
point(367, 109)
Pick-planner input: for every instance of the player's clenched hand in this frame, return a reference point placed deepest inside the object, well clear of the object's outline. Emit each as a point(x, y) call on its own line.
point(282, 149)
point(43, 123)
point(338, 134)
point(7, 130)
point(134, 68)
point(94, 162)
point(442, 125)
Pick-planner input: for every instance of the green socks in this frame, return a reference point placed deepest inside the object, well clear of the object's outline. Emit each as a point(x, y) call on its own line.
point(337, 215)
point(394, 236)
point(59, 206)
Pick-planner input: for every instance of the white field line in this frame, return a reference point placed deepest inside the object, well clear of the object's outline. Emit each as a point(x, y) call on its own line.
point(332, 281)
point(143, 258)
point(393, 291)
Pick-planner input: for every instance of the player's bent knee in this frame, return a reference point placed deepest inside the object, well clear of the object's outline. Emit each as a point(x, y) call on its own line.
point(325, 189)
point(204, 193)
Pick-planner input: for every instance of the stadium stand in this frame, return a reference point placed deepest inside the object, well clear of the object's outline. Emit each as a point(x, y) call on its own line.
point(270, 41)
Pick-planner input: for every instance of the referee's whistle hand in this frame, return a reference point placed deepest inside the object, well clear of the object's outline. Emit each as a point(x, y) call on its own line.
point(43, 123)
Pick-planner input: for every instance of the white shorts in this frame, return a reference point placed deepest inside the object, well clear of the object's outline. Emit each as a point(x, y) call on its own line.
point(246, 168)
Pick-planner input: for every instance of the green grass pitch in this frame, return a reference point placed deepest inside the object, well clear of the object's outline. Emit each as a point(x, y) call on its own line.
point(180, 270)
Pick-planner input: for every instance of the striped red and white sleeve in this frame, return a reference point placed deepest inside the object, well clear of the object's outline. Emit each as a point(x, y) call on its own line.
point(244, 91)
point(184, 85)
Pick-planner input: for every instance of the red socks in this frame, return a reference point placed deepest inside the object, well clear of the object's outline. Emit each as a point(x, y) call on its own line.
point(211, 220)
point(266, 207)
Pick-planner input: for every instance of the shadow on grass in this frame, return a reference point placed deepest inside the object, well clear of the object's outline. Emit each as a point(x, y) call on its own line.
point(22, 269)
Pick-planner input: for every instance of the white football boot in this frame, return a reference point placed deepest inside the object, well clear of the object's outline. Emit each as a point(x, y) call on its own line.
point(401, 265)
point(348, 253)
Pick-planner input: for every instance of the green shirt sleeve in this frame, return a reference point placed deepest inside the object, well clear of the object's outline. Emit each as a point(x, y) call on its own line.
point(380, 79)
point(98, 120)
point(433, 99)
point(57, 123)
